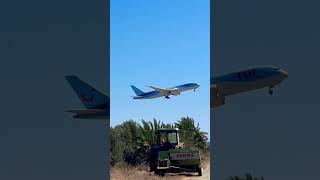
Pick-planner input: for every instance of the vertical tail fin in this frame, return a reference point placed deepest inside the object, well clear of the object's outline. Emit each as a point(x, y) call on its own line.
point(136, 90)
point(89, 96)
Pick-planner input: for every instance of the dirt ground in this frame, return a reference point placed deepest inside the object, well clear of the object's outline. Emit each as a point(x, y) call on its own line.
point(134, 173)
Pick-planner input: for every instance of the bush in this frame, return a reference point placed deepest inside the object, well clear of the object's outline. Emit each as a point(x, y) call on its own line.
point(131, 142)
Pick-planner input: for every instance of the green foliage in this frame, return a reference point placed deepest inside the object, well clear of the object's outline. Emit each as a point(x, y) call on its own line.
point(191, 135)
point(131, 142)
point(147, 130)
point(125, 143)
point(116, 144)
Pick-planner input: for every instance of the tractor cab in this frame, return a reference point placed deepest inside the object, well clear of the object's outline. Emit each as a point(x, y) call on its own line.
point(167, 155)
point(167, 138)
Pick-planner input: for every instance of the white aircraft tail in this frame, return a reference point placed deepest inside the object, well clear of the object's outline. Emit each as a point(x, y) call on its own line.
point(89, 96)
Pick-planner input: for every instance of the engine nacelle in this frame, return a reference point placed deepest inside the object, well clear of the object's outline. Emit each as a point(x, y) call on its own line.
point(175, 92)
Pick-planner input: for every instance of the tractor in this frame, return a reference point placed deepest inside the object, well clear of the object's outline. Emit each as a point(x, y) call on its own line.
point(168, 156)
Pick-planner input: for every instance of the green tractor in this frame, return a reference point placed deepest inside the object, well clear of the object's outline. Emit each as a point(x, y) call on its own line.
point(168, 155)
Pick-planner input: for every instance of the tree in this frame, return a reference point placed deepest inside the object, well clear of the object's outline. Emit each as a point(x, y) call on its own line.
point(147, 130)
point(125, 143)
point(131, 142)
point(190, 134)
point(116, 145)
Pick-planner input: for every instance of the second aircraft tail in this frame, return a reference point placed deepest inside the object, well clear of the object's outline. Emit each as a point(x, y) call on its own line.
point(89, 96)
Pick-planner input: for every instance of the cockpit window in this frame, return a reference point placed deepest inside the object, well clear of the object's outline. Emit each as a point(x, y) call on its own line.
point(168, 138)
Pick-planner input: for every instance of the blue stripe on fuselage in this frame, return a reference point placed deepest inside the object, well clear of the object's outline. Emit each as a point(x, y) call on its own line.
point(149, 94)
point(188, 85)
point(247, 75)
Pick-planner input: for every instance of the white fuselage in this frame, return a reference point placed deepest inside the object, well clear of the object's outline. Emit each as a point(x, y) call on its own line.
point(244, 81)
point(174, 91)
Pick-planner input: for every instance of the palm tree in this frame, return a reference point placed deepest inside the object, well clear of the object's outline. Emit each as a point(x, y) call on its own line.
point(191, 134)
point(147, 137)
point(147, 130)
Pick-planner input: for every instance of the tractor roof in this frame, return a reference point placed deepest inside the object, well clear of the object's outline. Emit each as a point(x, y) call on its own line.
point(167, 130)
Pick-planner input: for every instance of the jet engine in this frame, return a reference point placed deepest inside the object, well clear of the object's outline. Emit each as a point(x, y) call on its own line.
point(175, 92)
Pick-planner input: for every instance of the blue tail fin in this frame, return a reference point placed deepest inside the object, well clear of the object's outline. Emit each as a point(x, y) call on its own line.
point(89, 96)
point(136, 90)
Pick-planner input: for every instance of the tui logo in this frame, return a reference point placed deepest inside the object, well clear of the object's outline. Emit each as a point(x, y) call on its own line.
point(87, 98)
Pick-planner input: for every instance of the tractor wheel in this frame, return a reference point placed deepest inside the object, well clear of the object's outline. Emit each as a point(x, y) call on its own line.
point(199, 171)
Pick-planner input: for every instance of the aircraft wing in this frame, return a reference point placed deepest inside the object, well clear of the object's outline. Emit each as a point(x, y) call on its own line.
point(159, 89)
point(85, 111)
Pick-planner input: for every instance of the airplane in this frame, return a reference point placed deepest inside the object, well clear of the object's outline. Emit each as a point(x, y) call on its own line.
point(96, 103)
point(244, 81)
point(159, 92)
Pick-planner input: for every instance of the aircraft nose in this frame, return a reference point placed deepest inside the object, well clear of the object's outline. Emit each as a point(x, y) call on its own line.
point(284, 73)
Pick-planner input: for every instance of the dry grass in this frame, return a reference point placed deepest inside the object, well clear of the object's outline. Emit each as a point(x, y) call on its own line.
point(127, 172)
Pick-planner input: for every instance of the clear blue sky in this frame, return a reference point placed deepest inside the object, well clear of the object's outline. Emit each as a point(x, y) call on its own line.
point(160, 43)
